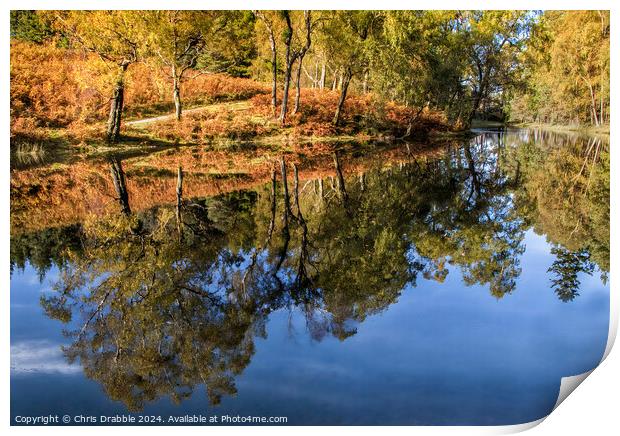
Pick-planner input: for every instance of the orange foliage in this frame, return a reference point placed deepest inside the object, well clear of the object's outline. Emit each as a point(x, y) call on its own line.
point(53, 87)
point(57, 87)
point(205, 126)
point(361, 114)
point(148, 86)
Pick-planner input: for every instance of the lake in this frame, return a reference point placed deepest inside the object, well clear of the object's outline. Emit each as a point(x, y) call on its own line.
point(382, 284)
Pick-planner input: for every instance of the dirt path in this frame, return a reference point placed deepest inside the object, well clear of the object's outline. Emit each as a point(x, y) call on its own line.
point(231, 106)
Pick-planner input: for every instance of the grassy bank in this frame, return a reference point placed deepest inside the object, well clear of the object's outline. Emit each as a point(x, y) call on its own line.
point(60, 101)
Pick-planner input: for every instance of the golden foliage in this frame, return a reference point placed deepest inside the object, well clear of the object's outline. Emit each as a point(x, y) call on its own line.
point(56, 87)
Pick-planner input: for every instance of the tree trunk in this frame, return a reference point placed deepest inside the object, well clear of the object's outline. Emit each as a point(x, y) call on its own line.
point(482, 78)
point(475, 186)
point(342, 191)
point(177, 97)
point(273, 205)
point(346, 79)
point(298, 85)
point(323, 74)
point(289, 66)
point(287, 203)
point(474, 108)
point(412, 121)
point(365, 83)
point(292, 57)
point(274, 61)
point(116, 108)
point(118, 180)
point(315, 81)
point(593, 104)
point(285, 215)
point(179, 203)
point(287, 82)
point(274, 73)
point(296, 192)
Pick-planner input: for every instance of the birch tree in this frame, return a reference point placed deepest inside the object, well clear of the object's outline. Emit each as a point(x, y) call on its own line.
point(113, 36)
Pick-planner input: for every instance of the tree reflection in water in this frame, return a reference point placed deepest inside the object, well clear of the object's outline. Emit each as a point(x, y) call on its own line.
point(156, 315)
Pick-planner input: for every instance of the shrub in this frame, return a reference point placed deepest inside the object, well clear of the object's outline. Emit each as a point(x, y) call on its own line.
point(362, 114)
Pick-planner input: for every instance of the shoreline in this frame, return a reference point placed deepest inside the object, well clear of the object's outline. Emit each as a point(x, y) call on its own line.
point(586, 130)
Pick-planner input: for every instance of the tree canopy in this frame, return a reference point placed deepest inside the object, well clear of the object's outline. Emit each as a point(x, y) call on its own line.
point(550, 66)
point(565, 74)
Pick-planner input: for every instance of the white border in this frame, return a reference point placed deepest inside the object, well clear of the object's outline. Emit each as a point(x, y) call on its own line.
point(594, 410)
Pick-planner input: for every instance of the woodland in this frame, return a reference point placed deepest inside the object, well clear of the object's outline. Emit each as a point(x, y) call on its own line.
point(87, 78)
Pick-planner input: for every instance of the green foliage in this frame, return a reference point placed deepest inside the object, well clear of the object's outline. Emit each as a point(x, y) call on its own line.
point(28, 26)
point(44, 249)
point(463, 62)
point(348, 36)
point(424, 56)
point(235, 49)
point(566, 268)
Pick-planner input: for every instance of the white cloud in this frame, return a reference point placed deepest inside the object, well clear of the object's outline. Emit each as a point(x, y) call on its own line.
point(40, 357)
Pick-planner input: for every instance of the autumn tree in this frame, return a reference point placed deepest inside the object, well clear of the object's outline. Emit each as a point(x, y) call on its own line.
point(566, 191)
point(114, 37)
point(348, 36)
point(269, 20)
point(423, 52)
point(566, 70)
point(186, 310)
point(179, 40)
point(294, 50)
point(28, 26)
point(139, 354)
point(566, 268)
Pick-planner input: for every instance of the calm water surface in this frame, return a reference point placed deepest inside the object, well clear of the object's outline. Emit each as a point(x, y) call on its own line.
point(449, 288)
